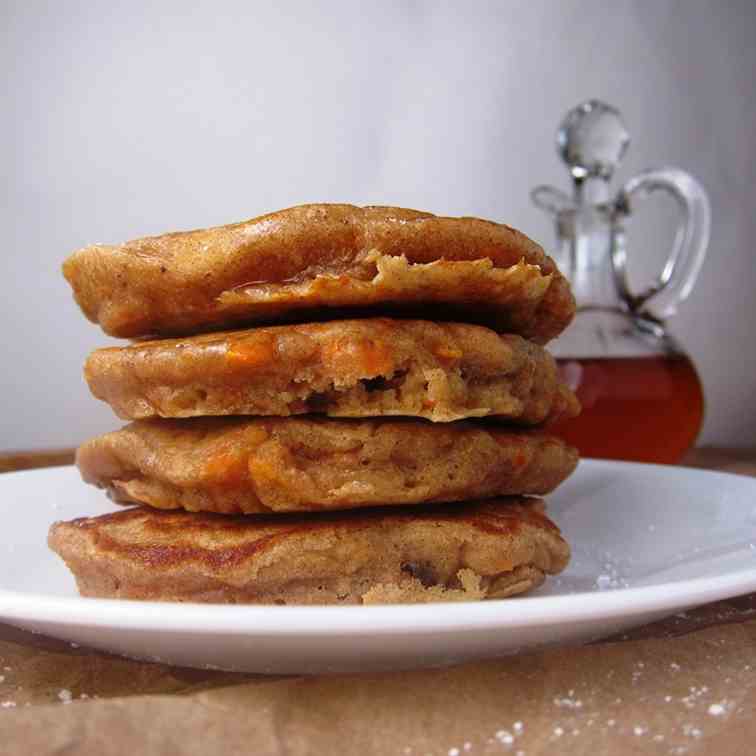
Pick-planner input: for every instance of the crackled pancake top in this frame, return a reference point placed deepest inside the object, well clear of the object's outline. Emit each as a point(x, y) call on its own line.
point(321, 261)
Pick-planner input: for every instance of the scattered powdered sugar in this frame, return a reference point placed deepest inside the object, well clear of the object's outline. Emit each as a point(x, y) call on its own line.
point(689, 701)
point(638, 730)
point(604, 582)
point(454, 752)
point(558, 731)
point(65, 695)
point(507, 738)
point(612, 575)
point(8, 704)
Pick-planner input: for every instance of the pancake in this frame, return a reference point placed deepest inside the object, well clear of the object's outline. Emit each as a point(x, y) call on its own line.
point(352, 368)
point(490, 549)
point(238, 465)
point(316, 262)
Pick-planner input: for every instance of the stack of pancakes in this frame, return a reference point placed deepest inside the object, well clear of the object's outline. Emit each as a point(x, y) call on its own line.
point(371, 436)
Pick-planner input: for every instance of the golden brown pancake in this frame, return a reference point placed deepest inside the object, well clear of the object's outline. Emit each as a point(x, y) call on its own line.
point(251, 465)
point(480, 550)
point(313, 262)
point(349, 368)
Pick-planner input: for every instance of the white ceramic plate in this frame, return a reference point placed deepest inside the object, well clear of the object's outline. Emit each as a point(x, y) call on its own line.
point(648, 542)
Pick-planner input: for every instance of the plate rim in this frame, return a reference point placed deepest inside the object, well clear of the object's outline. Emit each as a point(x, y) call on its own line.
point(299, 621)
point(156, 616)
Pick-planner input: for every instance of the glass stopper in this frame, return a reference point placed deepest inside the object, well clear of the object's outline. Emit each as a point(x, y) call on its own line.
point(592, 140)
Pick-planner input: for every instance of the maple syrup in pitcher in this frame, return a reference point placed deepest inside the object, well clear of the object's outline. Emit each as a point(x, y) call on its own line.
point(641, 395)
point(647, 409)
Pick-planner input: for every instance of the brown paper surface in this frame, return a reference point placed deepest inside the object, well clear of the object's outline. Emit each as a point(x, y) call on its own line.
point(661, 691)
point(686, 685)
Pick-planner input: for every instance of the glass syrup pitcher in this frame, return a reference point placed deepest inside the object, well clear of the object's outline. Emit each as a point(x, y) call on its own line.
point(642, 398)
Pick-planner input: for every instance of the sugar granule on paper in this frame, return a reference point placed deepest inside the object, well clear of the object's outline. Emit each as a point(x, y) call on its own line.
point(691, 730)
point(717, 709)
point(566, 702)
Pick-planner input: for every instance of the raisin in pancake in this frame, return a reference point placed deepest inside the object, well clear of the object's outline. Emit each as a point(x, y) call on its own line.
point(316, 261)
point(489, 549)
point(349, 368)
point(242, 465)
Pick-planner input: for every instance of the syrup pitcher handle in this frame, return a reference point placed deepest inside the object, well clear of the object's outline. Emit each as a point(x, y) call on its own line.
point(681, 269)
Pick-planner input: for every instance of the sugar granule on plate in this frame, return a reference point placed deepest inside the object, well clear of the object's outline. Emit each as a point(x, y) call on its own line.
point(65, 695)
point(454, 752)
point(8, 704)
point(558, 731)
point(518, 726)
point(638, 730)
point(505, 737)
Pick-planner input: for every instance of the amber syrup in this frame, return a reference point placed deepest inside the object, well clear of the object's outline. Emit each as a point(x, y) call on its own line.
point(647, 409)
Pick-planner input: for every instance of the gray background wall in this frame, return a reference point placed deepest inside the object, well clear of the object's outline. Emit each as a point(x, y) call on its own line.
point(126, 119)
